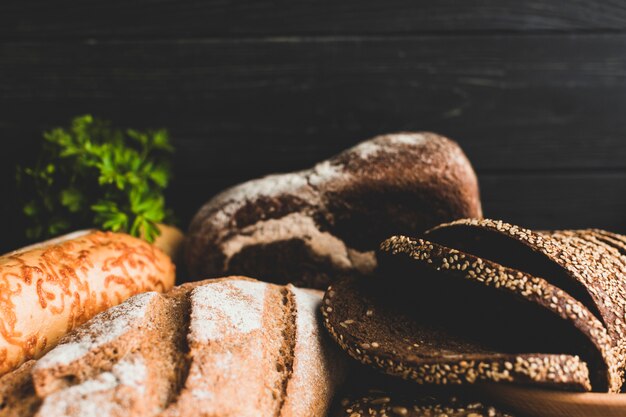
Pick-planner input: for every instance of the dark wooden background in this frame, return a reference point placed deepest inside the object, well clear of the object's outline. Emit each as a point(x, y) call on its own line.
point(534, 91)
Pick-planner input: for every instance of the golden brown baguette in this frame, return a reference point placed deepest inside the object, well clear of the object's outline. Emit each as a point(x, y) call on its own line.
point(49, 288)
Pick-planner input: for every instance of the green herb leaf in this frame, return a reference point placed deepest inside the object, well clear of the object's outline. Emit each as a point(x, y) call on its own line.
point(72, 199)
point(93, 175)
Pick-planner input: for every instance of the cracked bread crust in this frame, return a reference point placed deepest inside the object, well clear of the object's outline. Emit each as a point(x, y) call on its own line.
point(228, 347)
point(17, 394)
point(310, 227)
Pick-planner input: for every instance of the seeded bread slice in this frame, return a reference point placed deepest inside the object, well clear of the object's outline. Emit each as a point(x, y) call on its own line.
point(591, 272)
point(227, 347)
point(613, 239)
point(380, 403)
point(370, 393)
point(419, 336)
point(599, 241)
point(562, 323)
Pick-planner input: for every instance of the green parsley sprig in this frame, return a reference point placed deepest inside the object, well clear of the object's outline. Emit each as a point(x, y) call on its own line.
point(92, 175)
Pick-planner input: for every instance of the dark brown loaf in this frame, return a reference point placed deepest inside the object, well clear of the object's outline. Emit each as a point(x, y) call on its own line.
point(368, 393)
point(381, 403)
point(226, 347)
point(311, 226)
point(574, 329)
point(410, 333)
point(578, 262)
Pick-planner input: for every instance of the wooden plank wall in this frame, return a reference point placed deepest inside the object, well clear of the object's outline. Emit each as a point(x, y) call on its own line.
point(534, 91)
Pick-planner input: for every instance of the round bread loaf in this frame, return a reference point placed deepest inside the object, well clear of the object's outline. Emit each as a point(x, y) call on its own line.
point(311, 226)
point(50, 288)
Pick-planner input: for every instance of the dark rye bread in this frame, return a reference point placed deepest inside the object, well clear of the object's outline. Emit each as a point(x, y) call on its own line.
point(615, 240)
point(381, 403)
point(370, 394)
point(224, 347)
point(442, 335)
point(587, 265)
point(599, 241)
point(312, 226)
point(529, 307)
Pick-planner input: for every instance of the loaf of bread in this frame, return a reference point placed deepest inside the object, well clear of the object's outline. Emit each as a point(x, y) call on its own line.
point(381, 403)
point(224, 347)
point(50, 288)
point(371, 394)
point(483, 301)
point(442, 338)
point(312, 226)
point(586, 264)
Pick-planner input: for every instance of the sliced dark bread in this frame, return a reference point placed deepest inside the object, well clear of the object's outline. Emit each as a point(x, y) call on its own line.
point(610, 242)
point(613, 239)
point(576, 262)
point(382, 403)
point(369, 393)
point(561, 323)
point(421, 335)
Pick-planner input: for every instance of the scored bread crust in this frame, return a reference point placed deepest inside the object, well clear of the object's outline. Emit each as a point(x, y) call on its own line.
point(597, 268)
point(52, 287)
point(523, 286)
point(232, 346)
point(17, 394)
point(434, 357)
point(312, 226)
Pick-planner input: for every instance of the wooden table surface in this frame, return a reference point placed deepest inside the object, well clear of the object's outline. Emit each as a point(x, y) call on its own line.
point(529, 402)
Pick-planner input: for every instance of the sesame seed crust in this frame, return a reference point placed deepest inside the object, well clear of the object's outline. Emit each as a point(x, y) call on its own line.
point(592, 257)
point(436, 358)
point(377, 403)
point(529, 288)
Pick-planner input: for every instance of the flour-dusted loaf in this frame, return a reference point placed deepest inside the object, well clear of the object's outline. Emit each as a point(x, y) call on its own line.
point(17, 394)
point(311, 226)
point(50, 288)
point(218, 348)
